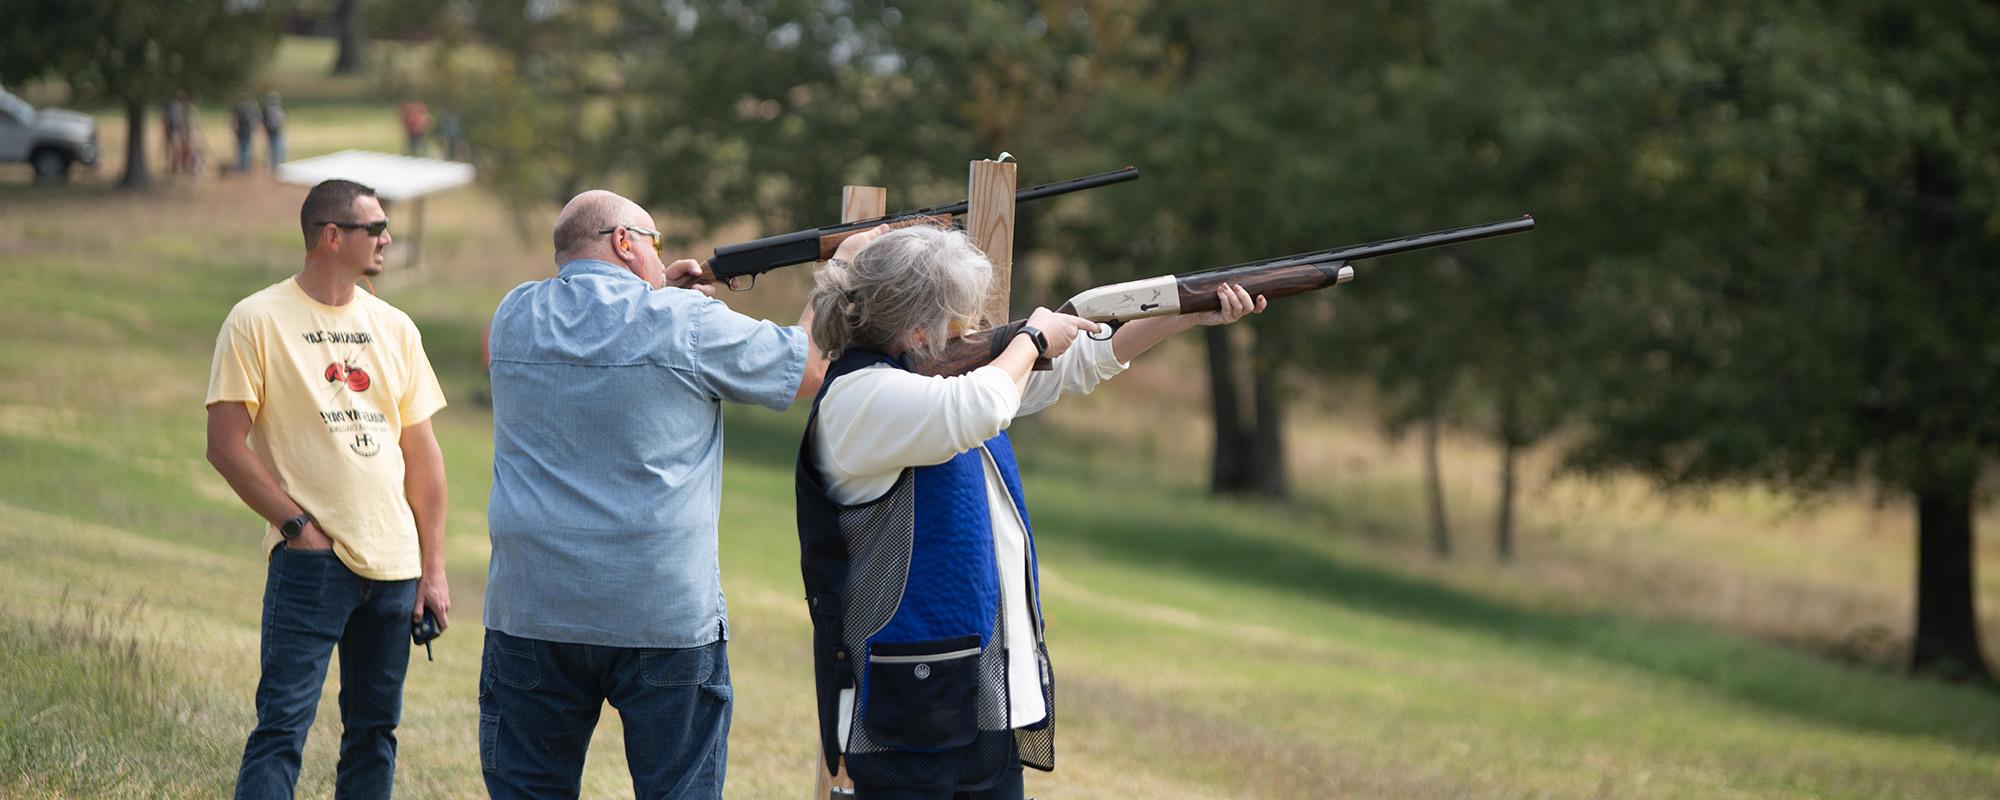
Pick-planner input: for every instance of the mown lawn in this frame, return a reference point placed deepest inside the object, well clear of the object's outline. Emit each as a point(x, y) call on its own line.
point(1204, 648)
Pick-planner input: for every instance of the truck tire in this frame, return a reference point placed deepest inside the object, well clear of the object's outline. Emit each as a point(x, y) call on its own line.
point(51, 165)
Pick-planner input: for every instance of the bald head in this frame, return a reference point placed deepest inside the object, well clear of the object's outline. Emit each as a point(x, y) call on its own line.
point(578, 225)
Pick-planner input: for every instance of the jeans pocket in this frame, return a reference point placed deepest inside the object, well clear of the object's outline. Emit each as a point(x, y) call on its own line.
point(690, 666)
point(922, 696)
point(514, 662)
point(299, 583)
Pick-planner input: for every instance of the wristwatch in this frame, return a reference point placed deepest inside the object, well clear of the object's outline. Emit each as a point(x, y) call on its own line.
point(1035, 335)
point(291, 528)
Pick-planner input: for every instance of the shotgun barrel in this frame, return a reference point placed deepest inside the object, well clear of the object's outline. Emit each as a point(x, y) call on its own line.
point(1194, 292)
point(1389, 247)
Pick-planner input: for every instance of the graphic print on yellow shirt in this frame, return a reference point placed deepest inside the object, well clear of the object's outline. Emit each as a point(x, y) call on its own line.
point(330, 390)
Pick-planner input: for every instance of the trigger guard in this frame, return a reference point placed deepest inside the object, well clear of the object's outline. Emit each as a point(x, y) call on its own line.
point(1113, 327)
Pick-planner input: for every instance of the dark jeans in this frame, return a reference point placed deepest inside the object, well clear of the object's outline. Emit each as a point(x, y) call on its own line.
point(539, 701)
point(1007, 788)
point(313, 603)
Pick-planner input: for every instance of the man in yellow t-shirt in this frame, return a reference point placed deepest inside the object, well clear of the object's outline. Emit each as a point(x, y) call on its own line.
point(319, 406)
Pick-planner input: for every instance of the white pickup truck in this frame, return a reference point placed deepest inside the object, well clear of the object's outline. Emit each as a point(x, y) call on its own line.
point(50, 139)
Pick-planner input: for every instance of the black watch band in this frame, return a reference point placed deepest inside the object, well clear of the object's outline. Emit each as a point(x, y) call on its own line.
point(1035, 335)
point(291, 528)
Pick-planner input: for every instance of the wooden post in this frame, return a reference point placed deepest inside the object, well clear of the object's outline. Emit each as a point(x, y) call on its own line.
point(863, 202)
point(856, 203)
point(990, 222)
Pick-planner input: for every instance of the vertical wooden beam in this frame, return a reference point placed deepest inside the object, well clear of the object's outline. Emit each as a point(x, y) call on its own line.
point(856, 203)
point(863, 202)
point(990, 223)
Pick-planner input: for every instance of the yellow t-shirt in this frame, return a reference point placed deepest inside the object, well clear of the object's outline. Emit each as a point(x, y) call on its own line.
point(330, 390)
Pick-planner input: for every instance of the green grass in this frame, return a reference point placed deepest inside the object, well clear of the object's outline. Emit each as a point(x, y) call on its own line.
point(91, 677)
point(1204, 648)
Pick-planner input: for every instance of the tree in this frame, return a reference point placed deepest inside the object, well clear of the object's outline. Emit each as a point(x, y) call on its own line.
point(348, 26)
point(138, 53)
point(1821, 312)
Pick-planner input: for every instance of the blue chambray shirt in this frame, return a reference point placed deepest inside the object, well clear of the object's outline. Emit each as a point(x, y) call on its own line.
point(607, 454)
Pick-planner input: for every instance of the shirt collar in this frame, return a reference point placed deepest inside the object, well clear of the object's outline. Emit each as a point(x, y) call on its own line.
point(592, 266)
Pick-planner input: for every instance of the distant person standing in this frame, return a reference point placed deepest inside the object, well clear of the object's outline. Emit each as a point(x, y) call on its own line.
point(448, 130)
point(274, 127)
point(416, 122)
point(243, 122)
point(174, 125)
point(319, 416)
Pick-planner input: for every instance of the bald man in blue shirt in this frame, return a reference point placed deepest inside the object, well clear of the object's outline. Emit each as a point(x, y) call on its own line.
point(608, 385)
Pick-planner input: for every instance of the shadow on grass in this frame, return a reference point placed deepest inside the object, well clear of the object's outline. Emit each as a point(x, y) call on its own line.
point(1232, 544)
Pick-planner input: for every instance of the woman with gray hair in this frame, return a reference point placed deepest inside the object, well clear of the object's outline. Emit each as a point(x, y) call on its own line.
point(930, 668)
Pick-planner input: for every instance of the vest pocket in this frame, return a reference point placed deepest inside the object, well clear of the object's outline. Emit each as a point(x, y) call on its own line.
point(923, 695)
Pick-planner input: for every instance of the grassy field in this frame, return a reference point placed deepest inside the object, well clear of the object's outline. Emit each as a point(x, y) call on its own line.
point(1729, 645)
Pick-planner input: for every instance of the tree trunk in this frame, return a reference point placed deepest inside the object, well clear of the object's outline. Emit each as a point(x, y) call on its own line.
point(1227, 474)
point(1434, 486)
point(1947, 641)
point(1503, 526)
point(347, 26)
point(1267, 440)
point(135, 147)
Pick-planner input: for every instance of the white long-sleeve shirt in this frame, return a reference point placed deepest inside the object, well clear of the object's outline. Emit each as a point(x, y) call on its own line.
point(877, 421)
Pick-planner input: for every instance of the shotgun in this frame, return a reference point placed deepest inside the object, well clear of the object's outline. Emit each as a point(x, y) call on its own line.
point(738, 265)
point(1194, 292)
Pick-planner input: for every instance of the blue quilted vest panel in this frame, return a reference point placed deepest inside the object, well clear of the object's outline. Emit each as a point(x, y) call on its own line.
point(953, 586)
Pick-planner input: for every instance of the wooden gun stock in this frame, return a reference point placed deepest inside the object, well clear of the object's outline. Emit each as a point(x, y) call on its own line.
point(974, 350)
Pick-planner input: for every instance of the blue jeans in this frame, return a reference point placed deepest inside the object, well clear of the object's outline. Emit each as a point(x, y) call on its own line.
point(313, 604)
point(539, 701)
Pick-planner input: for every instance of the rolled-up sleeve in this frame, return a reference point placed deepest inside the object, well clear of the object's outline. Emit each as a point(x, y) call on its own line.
point(744, 360)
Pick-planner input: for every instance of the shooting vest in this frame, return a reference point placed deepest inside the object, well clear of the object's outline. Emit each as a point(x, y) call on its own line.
point(904, 595)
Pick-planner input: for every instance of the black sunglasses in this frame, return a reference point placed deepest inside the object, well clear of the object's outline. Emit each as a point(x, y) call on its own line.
point(373, 228)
